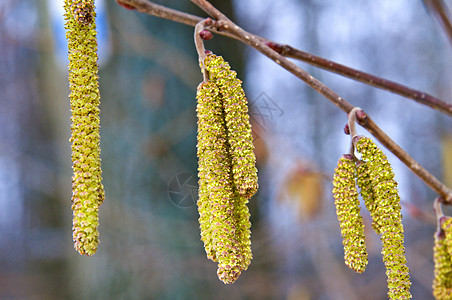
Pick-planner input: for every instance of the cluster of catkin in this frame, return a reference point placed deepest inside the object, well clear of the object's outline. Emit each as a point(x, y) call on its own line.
point(87, 188)
point(226, 169)
point(442, 257)
point(375, 178)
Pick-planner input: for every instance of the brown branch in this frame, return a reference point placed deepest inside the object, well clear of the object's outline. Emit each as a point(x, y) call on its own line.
point(372, 80)
point(223, 24)
point(421, 97)
point(164, 12)
point(161, 11)
point(410, 162)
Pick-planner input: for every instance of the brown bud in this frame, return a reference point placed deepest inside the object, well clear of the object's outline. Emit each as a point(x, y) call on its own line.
point(275, 46)
point(347, 129)
point(126, 6)
point(206, 35)
point(361, 116)
point(357, 138)
point(208, 22)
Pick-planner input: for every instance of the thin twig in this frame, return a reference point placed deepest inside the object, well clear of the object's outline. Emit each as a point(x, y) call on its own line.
point(421, 97)
point(369, 79)
point(164, 12)
point(223, 24)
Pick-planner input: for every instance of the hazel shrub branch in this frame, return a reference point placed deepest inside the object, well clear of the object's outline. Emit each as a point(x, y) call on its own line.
point(222, 25)
point(424, 98)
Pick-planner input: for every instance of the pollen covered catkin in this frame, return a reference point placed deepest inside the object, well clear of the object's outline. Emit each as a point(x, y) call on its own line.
point(87, 188)
point(365, 183)
point(237, 123)
point(348, 214)
point(446, 225)
point(387, 217)
point(442, 282)
point(224, 216)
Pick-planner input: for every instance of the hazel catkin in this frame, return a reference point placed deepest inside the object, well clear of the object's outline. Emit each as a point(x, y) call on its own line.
point(387, 217)
point(364, 182)
point(348, 214)
point(224, 216)
point(240, 138)
point(87, 188)
point(442, 282)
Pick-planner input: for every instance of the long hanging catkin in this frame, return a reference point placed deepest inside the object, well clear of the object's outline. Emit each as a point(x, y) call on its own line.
point(87, 188)
point(348, 214)
point(237, 122)
point(365, 183)
point(442, 282)
point(224, 217)
point(387, 217)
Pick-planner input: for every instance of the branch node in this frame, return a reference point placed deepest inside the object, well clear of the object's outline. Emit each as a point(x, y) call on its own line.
point(361, 117)
point(126, 6)
point(208, 22)
point(347, 129)
point(206, 35)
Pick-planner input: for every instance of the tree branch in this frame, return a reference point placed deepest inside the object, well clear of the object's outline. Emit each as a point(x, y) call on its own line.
point(147, 7)
point(224, 25)
point(421, 97)
point(372, 80)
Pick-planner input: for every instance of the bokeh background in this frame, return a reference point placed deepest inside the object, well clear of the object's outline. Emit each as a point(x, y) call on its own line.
point(150, 243)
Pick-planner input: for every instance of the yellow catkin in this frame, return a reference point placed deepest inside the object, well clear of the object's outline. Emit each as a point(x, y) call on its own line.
point(240, 138)
point(224, 216)
point(87, 188)
point(348, 214)
point(387, 216)
point(365, 183)
point(446, 225)
point(442, 282)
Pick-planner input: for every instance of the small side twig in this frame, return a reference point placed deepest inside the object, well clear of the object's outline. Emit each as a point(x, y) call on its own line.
point(369, 79)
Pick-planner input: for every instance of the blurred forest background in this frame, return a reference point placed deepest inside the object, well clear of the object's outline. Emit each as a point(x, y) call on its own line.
point(150, 242)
